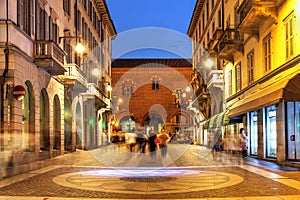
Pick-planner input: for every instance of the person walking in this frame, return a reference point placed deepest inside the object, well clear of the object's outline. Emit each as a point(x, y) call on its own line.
point(163, 139)
point(141, 140)
point(131, 140)
point(243, 142)
point(152, 143)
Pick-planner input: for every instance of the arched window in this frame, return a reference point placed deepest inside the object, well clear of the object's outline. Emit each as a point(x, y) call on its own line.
point(155, 82)
point(44, 121)
point(128, 87)
point(28, 118)
point(57, 123)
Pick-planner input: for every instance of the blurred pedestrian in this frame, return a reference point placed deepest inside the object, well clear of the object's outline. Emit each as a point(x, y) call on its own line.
point(141, 139)
point(163, 139)
point(243, 142)
point(131, 140)
point(152, 139)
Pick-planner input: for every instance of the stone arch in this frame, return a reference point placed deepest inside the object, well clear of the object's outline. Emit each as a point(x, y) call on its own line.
point(28, 117)
point(78, 115)
point(153, 120)
point(57, 123)
point(44, 121)
point(68, 122)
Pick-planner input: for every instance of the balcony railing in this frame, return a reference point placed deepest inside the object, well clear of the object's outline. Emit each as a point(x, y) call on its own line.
point(215, 79)
point(230, 44)
point(49, 56)
point(212, 44)
point(254, 12)
point(73, 74)
point(217, 34)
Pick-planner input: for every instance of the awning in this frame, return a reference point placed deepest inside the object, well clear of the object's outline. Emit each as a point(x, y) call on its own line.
point(217, 120)
point(286, 90)
point(221, 119)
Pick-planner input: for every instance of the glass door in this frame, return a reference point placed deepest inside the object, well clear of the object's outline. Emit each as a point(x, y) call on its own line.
point(293, 130)
point(271, 136)
point(253, 133)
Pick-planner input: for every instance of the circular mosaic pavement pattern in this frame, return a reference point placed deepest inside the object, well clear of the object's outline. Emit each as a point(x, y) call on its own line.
point(147, 180)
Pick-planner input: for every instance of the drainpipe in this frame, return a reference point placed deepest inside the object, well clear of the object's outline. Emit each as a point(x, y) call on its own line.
point(223, 15)
point(2, 78)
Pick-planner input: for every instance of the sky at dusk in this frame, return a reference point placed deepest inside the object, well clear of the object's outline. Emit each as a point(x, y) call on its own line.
point(151, 29)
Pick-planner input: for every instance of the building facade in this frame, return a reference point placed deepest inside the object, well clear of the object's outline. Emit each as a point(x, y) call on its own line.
point(152, 93)
point(207, 79)
point(46, 86)
point(261, 65)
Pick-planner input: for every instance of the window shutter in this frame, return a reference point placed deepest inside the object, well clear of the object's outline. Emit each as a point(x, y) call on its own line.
point(50, 28)
point(37, 22)
point(21, 13)
point(46, 28)
point(32, 18)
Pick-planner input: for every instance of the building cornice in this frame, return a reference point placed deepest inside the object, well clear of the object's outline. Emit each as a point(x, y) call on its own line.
point(152, 62)
point(105, 16)
point(195, 17)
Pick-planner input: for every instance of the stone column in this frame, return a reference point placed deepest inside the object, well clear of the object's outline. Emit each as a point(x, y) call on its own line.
point(280, 129)
point(260, 135)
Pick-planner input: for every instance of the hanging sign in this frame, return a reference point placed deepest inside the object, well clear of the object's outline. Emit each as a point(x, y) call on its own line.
point(19, 92)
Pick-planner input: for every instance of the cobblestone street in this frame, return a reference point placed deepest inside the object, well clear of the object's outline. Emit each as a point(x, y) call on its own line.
point(188, 172)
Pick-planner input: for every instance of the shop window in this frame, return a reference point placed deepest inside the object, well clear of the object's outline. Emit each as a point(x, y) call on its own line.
point(253, 132)
point(293, 130)
point(271, 135)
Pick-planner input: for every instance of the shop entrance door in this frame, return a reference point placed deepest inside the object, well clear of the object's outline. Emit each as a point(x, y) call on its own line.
point(293, 131)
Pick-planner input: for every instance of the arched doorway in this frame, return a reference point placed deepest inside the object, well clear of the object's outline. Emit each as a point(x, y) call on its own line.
point(68, 124)
point(153, 121)
point(127, 124)
point(44, 121)
point(28, 118)
point(79, 136)
point(57, 124)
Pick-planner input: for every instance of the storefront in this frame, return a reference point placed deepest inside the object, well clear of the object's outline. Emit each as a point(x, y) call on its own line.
point(224, 128)
point(272, 120)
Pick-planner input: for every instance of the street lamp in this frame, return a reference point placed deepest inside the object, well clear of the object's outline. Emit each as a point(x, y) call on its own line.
point(109, 88)
point(209, 63)
point(79, 48)
point(96, 72)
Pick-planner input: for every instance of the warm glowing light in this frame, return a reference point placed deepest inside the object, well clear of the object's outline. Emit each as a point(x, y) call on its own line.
point(184, 95)
point(109, 88)
point(209, 63)
point(79, 48)
point(120, 100)
point(96, 72)
point(187, 89)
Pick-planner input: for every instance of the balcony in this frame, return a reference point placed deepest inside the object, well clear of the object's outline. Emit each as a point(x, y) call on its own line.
point(212, 44)
point(101, 99)
point(73, 74)
point(230, 44)
point(49, 57)
point(253, 13)
point(215, 79)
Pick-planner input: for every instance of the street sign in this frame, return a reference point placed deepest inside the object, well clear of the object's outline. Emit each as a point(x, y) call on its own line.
point(19, 92)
